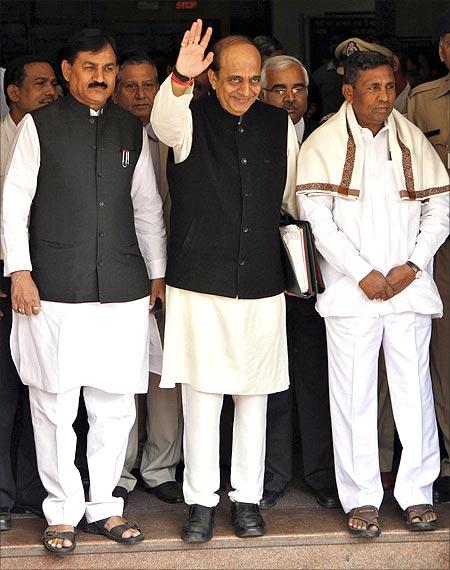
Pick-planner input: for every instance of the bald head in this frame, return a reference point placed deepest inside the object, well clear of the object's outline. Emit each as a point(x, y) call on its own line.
point(225, 43)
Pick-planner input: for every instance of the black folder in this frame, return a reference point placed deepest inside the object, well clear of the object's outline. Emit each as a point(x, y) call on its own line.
point(315, 283)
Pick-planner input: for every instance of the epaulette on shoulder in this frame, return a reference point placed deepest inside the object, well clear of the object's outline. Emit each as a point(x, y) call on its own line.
point(429, 86)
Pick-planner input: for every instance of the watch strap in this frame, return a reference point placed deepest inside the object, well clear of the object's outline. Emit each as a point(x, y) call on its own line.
point(413, 267)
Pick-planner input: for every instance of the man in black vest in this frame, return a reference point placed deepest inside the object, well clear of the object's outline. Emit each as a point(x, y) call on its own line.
point(284, 82)
point(81, 172)
point(225, 323)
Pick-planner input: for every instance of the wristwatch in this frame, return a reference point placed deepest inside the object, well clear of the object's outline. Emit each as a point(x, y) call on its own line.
point(417, 270)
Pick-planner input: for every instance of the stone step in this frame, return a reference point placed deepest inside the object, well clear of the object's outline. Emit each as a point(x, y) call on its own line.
point(298, 537)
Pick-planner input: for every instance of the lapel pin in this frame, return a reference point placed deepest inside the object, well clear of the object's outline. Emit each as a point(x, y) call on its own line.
point(125, 157)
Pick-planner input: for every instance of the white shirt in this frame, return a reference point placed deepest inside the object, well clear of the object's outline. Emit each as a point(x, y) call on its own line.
point(153, 142)
point(8, 129)
point(377, 231)
point(20, 187)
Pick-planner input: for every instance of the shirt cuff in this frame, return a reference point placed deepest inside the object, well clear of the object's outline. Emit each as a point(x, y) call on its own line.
point(23, 264)
point(359, 269)
point(156, 269)
point(420, 256)
point(166, 87)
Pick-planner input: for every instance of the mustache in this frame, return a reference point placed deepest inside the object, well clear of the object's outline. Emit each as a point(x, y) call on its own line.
point(289, 107)
point(101, 84)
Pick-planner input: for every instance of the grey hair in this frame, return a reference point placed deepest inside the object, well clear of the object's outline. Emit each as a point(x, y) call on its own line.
point(135, 58)
point(278, 63)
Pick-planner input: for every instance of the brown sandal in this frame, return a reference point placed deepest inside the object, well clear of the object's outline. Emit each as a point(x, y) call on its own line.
point(63, 535)
point(368, 514)
point(417, 512)
point(116, 532)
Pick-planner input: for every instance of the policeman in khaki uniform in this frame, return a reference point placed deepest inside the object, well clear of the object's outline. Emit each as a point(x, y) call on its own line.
point(429, 109)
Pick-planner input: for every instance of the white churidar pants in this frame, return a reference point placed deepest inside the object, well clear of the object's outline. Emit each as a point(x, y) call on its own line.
point(201, 447)
point(110, 419)
point(353, 348)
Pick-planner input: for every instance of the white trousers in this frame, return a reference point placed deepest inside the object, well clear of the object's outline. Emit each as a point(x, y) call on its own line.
point(353, 348)
point(110, 419)
point(201, 447)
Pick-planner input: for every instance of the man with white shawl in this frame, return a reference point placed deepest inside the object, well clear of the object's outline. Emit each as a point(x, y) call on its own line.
point(375, 193)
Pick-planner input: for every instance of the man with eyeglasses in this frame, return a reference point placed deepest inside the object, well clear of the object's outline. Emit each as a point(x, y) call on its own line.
point(284, 82)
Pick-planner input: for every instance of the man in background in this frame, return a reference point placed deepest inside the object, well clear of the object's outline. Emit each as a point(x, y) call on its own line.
point(136, 87)
point(429, 109)
point(284, 83)
point(29, 83)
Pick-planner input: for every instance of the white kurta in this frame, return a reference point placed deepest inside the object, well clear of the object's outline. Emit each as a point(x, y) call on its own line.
point(377, 231)
point(217, 344)
point(68, 345)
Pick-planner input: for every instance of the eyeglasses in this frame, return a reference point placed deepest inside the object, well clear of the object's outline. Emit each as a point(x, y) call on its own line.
point(282, 91)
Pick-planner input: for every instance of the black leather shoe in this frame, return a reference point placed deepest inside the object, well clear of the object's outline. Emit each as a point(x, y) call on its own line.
point(198, 527)
point(441, 490)
point(122, 493)
point(21, 509)
point(5, 519)
point(169, 492)
point(270, 499)
point(247, 520)
point(328, 498)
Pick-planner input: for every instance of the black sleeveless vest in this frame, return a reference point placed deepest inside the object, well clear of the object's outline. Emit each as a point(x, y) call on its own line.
point(226, 199)
point(82, 238)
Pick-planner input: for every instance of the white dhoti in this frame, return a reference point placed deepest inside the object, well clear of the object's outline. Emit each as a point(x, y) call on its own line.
point(105, 349)
point(353, 348)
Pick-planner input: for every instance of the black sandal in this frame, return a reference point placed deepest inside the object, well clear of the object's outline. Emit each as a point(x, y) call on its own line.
point(368, 515)
point(98, 527)
point(417, 512)
point(64, 535)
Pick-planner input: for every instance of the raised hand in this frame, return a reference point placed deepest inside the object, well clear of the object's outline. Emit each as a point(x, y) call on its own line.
point(191, 61)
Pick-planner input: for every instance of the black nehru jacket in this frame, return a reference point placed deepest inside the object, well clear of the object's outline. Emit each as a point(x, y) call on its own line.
point(82, 237)
point(226, 199)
